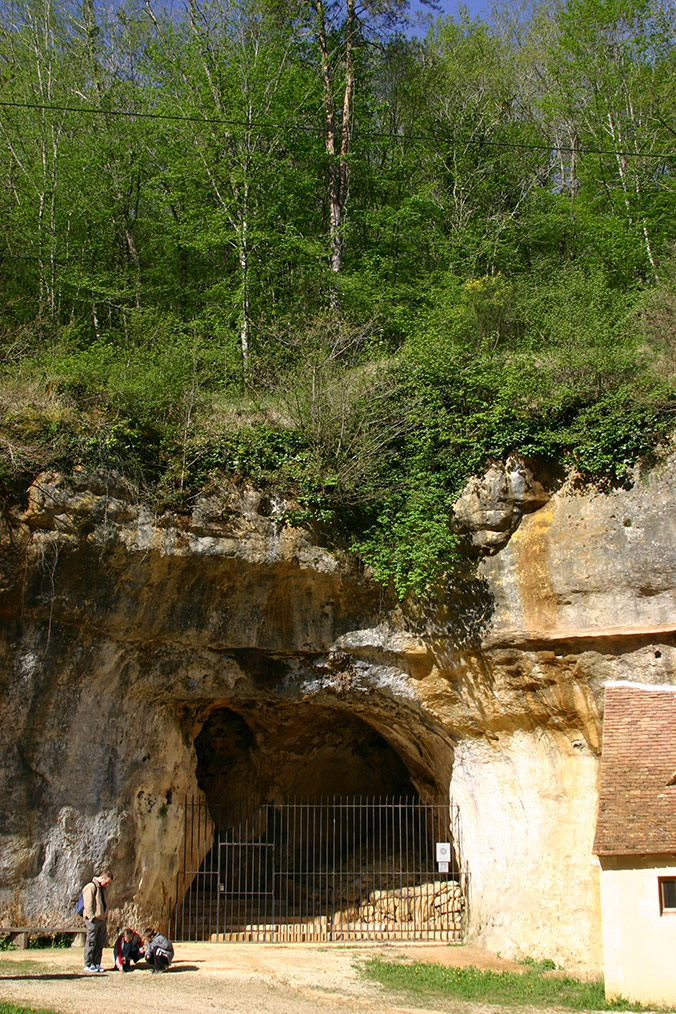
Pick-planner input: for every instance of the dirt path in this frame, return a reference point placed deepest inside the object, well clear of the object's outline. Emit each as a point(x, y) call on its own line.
point(227, 978)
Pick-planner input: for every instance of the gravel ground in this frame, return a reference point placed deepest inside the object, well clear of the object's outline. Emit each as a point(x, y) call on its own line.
point(228, 978)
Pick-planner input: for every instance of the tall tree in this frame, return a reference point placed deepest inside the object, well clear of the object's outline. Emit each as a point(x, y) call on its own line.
point(232, 71)
point(489, 162)
point(33, 41)
point(605, 71)
point(340, 26)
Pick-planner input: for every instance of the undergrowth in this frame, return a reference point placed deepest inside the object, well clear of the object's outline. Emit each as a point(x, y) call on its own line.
point(13, 1008)
point(41, 942)
point(371, 441)
point(57, 940)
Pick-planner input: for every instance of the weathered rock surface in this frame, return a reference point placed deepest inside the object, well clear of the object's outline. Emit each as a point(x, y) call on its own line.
point(146, 659)
point(491, 506)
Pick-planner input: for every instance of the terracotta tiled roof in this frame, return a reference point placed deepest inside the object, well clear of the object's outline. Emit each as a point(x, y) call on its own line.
point(637, 807)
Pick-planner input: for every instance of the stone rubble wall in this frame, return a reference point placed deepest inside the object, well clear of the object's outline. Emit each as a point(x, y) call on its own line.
point(437, 906)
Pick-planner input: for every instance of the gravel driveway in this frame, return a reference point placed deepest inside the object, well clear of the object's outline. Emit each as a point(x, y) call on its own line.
point(232, 978)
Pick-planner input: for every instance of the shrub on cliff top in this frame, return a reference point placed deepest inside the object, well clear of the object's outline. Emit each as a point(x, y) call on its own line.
point(374, 444)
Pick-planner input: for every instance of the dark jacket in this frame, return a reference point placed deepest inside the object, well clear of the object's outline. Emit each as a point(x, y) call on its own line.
point(159, 945)
point(130, 949)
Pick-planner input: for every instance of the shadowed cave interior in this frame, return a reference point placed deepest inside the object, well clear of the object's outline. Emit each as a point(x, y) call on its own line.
point(310, 826)
point(303, 752)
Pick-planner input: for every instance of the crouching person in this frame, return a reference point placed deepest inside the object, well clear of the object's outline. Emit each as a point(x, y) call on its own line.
point(128, 947)
point(159, 950)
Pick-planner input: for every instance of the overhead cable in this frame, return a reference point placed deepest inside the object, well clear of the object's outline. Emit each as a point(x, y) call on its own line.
point(309, 128)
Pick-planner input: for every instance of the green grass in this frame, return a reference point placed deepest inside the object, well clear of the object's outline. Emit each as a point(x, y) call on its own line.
point(535, 986)
point(16, 965)
point(13, 1008)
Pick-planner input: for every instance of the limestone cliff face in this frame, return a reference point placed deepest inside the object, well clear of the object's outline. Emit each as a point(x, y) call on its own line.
point(146, 659)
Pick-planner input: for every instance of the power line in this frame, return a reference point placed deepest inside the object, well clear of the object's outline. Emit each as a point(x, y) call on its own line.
point(308, 128)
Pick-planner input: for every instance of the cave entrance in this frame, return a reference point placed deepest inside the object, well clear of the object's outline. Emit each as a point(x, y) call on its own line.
point(346, 868)
point(311, 830)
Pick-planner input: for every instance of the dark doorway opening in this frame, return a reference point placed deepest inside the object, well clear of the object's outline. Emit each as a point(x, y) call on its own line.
point(311, 829)
point(303, 751)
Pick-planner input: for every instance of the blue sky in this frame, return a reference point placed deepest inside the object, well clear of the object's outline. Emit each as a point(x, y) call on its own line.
point(474, 7)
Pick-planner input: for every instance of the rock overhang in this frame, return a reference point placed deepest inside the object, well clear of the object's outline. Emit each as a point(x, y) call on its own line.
point(137, 628)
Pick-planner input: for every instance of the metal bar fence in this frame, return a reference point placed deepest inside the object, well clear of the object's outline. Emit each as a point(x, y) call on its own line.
point(319, 870)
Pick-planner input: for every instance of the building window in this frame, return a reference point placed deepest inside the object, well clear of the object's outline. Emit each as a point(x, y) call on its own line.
point(667, 887)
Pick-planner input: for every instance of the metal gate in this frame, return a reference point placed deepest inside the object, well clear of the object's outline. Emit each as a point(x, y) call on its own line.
point(318, 870)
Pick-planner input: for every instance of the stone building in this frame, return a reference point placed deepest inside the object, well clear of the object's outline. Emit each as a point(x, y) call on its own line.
point(636, 843)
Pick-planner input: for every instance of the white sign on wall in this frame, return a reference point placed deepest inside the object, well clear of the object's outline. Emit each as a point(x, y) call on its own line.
point(443, 856)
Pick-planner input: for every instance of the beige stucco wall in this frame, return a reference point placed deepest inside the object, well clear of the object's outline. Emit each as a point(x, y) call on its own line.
point(639, 944)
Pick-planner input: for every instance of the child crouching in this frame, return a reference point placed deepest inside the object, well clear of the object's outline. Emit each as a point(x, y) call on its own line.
point(159, 950)
point(128, 947)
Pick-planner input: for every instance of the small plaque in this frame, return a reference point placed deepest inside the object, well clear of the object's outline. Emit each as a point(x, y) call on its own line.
point(443, 851)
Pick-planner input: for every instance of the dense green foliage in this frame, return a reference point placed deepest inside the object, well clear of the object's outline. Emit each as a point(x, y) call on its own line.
point(536, 986)
point(58, 940)
point(172, 302)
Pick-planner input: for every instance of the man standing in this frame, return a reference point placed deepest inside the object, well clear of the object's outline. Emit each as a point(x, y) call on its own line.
point(94, 914)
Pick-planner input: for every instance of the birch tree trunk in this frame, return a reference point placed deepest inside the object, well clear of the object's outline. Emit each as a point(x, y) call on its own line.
point(336, 148)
